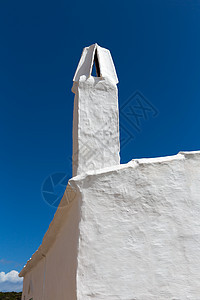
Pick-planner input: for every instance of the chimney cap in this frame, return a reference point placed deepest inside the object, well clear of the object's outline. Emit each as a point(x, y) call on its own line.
point(106, 65)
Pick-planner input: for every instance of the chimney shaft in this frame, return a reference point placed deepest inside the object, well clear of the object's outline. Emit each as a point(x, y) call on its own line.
point(96, 116)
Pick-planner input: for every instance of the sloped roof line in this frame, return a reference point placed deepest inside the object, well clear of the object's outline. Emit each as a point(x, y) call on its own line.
point(54, 227)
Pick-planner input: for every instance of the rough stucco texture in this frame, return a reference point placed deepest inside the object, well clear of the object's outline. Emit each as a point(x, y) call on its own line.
point(96, 125)
point(140, 231)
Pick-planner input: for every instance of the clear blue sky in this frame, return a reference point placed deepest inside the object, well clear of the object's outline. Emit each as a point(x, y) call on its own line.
point(156, 49)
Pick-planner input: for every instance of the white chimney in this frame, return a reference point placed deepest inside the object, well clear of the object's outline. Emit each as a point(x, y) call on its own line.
point(96, 116)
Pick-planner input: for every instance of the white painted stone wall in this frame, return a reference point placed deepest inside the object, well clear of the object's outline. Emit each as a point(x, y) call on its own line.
point(138, 236)
point(140, 231)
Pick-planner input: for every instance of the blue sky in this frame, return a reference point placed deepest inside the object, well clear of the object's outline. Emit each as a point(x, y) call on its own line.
point(155, 46)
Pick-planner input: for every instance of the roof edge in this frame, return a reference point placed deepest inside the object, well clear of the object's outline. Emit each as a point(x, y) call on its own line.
point(54, 227)
point(134, 163)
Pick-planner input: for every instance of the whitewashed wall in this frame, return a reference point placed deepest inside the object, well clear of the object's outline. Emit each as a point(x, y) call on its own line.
point(140, 231)
point(139, 236)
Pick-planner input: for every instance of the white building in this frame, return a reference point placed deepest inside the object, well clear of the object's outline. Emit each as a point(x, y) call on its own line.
point(121, 232)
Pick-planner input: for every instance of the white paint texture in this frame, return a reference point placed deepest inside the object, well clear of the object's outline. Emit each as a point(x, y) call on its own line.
point(124, 232)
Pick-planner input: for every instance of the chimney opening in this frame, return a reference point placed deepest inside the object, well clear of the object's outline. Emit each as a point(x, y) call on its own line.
point(96, 67)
